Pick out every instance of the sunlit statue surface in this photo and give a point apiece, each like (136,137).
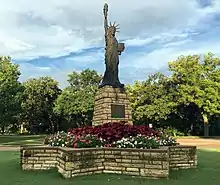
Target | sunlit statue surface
(112,51)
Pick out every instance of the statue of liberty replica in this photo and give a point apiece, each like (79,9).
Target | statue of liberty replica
(112,51)
(111,101)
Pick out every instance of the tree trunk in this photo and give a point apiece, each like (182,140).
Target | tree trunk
(51,124)
(58,126)
(206,125)
(52,128)
(3,130)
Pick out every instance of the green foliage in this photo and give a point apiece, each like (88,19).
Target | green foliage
(76,102)
(152,99)
(38,102)
(86,78)
(166,140)
(10,92)
(191,91)
(197,81)
(171,132)
(183,100)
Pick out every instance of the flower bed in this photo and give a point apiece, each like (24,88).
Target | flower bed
(111,135)
(110,148)
(111,132)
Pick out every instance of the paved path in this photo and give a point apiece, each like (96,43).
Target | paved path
(201,143)
(9,148)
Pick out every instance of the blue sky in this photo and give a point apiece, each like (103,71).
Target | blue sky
(56,37)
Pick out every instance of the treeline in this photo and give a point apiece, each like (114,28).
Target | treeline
(187,100)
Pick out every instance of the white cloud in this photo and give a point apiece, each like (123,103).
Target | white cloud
(133,66)
(89,57)
(178,43)
(138,65)
(52,28)
(31,71)
(159,58)
(161,38)
(30,29)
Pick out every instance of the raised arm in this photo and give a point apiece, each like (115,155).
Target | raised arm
(105,11)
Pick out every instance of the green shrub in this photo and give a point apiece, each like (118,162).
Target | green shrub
(171,132)
(166,140)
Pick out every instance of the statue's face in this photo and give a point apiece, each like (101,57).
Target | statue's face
(112,30)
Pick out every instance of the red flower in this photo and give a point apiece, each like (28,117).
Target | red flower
(107,145)
(113,131)
(75,145)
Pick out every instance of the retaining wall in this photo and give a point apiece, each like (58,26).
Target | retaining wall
(154,163)
(182,157)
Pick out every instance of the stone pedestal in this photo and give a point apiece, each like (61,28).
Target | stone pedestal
(111,105)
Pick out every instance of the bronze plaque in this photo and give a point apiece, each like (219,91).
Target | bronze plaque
(117,111)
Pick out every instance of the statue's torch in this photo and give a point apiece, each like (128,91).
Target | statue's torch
(105,9)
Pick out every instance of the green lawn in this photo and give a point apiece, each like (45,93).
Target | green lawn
(208,172)
(21,140)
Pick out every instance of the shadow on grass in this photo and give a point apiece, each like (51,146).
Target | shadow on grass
(21,140)
(207,173)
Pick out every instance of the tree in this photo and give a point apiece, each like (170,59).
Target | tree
(76,102)
(10,92)
(151,100)
(197,82)
(39,97)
